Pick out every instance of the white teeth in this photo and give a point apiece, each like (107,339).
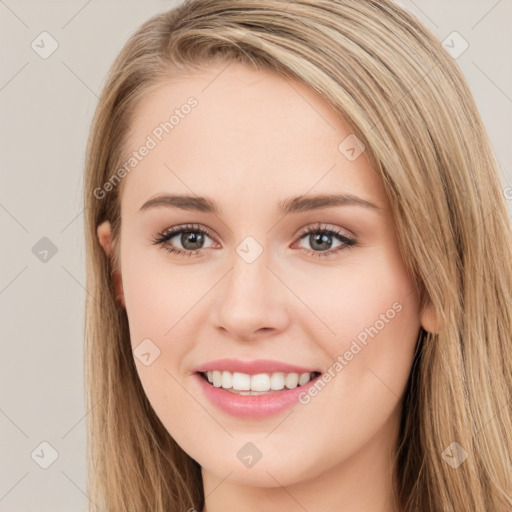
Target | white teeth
(217,379)
(260,382)
(291,380)
(304,378)
(277,381)
(227,380)
(241,381)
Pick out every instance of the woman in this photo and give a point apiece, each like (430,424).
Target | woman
(234,362)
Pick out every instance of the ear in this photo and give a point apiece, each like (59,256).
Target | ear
(104,232)
(429,319)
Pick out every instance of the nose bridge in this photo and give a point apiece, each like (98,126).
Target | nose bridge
(249,277)
(252,298)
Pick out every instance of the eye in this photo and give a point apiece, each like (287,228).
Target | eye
(319,237)
(192,237)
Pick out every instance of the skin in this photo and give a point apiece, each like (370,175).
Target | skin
(253,140)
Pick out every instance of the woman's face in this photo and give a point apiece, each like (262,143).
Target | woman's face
(253,284)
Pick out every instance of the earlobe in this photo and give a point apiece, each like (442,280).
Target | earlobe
(429,319)
(118,286)
(104,232)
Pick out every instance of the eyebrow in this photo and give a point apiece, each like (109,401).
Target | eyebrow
(293,205)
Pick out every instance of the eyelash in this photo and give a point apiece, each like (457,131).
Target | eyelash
(166,235)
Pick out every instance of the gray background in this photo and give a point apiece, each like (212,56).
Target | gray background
(46,106)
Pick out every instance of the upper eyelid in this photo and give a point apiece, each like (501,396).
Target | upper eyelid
(318,226)
(321,226)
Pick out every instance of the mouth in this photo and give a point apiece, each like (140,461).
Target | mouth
(257,384)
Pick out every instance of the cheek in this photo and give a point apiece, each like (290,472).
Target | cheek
(369,314)
(158,295)
(158,303)
(371,310)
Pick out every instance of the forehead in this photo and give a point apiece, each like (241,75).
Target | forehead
(230,129)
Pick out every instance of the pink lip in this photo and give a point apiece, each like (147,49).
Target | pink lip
(252,406)
(252,367)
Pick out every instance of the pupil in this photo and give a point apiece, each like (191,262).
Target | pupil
(319,238)
(193,238)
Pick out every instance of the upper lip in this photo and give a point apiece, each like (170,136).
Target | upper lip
(252,367)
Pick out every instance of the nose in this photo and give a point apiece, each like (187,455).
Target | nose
(252,301)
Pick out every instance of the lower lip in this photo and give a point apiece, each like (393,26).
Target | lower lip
(253,406)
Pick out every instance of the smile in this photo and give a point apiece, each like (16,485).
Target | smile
(261,383)
(248,403)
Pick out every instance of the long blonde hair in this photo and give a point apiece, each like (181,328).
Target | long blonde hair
(405,98)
